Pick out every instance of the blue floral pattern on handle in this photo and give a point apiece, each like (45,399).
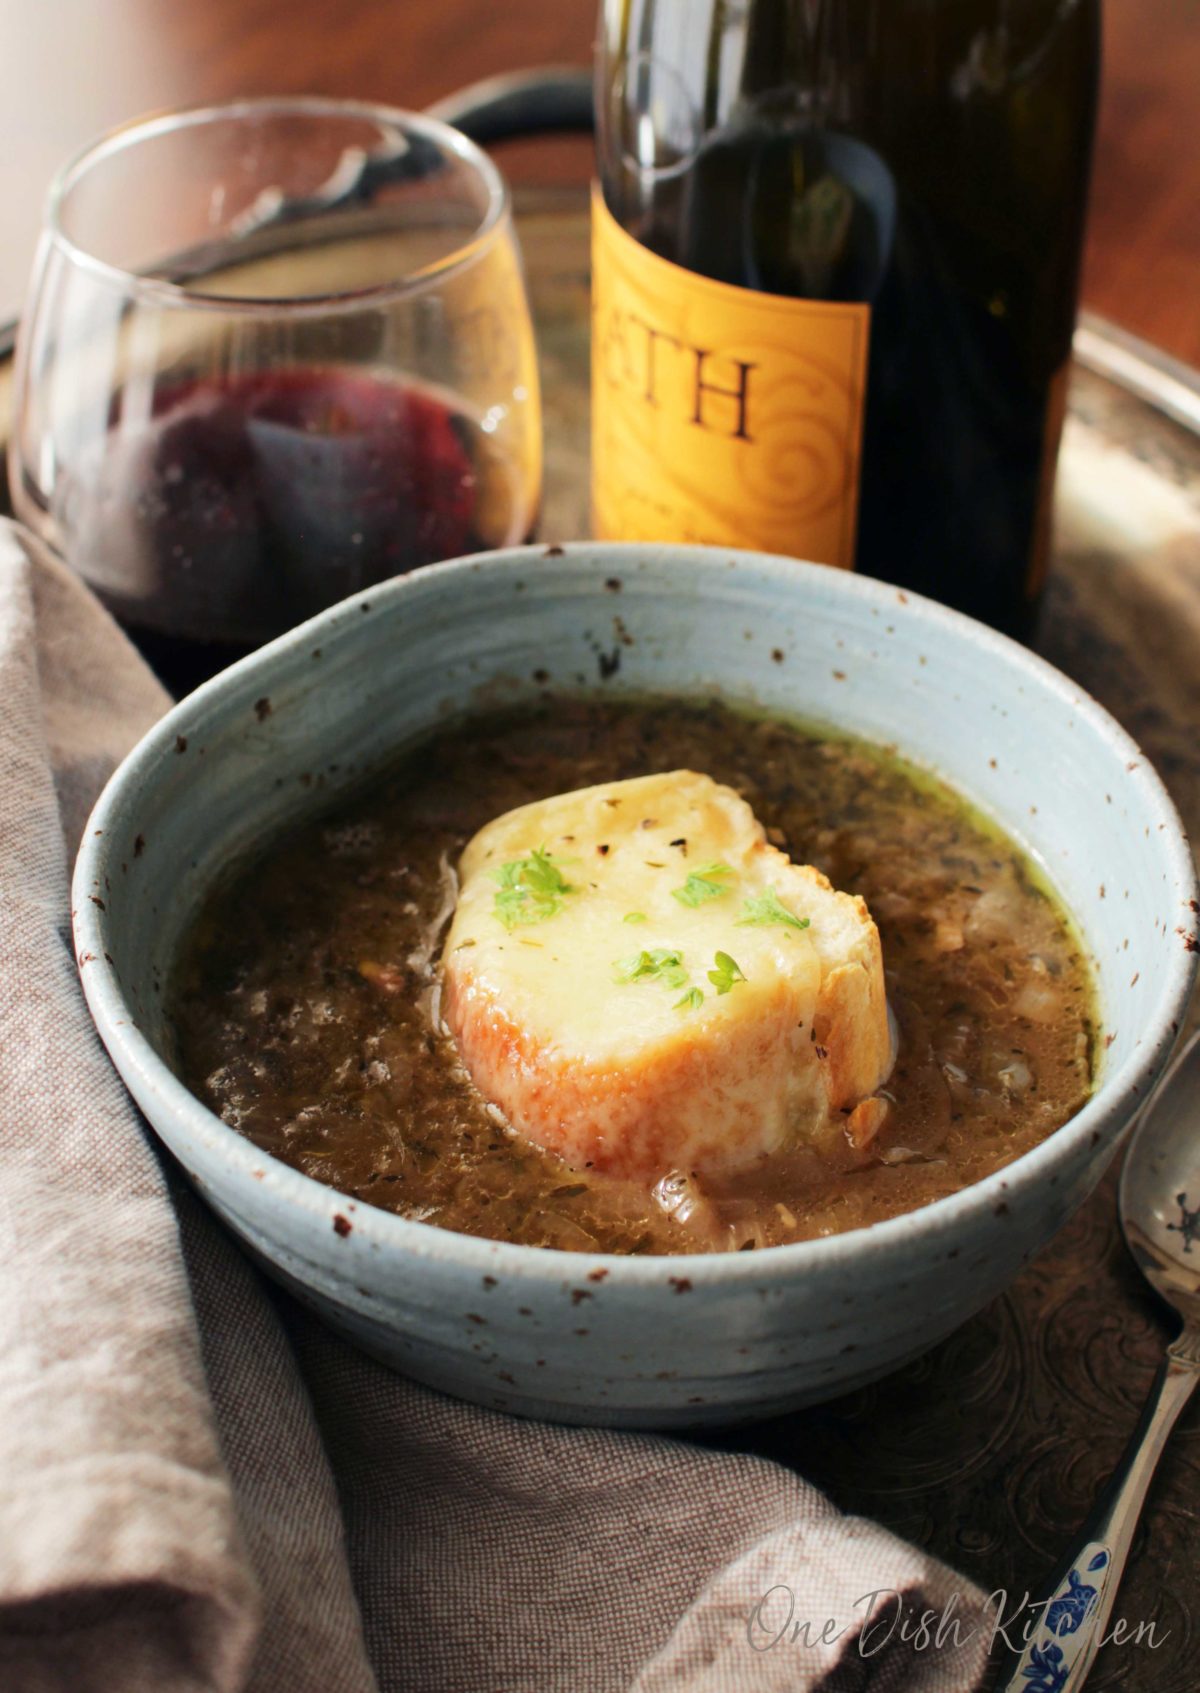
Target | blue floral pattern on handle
(1070,1610)
(1045,1672)
(1061,1638)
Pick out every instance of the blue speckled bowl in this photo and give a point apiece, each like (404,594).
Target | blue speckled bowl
(652,1341)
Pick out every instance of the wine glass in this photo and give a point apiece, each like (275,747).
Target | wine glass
(273,352)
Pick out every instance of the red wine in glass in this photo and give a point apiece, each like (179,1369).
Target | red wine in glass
(249,501)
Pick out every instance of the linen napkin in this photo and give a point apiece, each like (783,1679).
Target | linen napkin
(203,1489)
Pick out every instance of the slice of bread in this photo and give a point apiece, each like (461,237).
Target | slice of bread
(642,983)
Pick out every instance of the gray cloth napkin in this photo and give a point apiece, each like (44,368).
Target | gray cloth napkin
(201,1488)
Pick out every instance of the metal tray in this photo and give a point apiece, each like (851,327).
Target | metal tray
(990,1449)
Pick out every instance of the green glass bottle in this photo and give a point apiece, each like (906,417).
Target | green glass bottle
(902,184)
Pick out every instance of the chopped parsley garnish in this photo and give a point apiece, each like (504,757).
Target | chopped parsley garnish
(727,972)
(661,964)
(768,908)
(665,964)
(531,890)
(634,917)
(703,884)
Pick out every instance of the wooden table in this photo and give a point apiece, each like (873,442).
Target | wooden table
(73,67)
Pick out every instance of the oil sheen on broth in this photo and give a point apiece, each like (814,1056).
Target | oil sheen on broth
(306,1005)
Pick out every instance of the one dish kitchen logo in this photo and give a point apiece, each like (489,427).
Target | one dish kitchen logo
(886,1617)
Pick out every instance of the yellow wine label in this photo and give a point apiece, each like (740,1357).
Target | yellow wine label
(720,414)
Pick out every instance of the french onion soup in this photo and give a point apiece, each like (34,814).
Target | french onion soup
(616,975)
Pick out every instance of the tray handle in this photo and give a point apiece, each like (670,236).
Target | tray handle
(554,99)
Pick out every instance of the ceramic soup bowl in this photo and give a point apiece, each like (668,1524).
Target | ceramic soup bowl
(658,1342)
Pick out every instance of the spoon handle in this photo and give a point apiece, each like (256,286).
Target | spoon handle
(1060,1647)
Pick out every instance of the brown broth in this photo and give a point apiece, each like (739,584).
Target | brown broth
(306,1005)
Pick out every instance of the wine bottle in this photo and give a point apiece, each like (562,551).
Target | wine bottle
(836,250)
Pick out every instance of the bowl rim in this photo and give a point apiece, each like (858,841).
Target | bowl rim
(1117,1099)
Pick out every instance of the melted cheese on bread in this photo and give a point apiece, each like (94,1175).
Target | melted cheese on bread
(642,983)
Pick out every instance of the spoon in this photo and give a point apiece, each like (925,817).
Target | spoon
(1160,1215)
